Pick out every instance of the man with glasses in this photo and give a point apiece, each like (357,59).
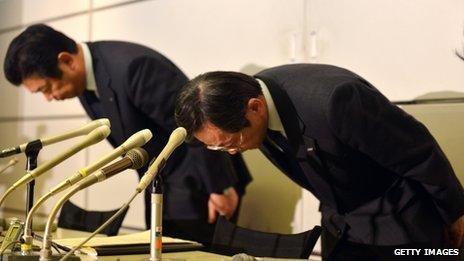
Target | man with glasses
(382,180)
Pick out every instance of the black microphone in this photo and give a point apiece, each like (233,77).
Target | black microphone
(134,159)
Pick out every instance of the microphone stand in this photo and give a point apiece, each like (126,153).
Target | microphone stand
(15,232)
(156,233)
(32,151)
(156,230)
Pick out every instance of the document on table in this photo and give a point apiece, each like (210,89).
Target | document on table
(130,239)
(136,243)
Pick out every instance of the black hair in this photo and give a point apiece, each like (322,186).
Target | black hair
(217,97)
(35,52)
(460,55)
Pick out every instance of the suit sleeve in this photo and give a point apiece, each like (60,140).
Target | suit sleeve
(363,118)
(153,86)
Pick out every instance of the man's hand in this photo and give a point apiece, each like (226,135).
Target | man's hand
(456,233)
(224,204)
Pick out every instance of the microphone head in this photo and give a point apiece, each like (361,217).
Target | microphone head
(175,139)
(13,161)
(146,134)
(104,122)
(101,132)
(243,257)
(138,156)
(89,127)
(137,139)
(178,136)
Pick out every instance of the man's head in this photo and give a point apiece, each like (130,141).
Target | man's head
(46,61)
(224,110)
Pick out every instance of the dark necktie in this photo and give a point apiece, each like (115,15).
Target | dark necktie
(282,154)
(277,146)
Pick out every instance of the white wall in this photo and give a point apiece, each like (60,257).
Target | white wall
(405,48)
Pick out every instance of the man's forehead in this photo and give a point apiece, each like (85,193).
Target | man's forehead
(209,132)
(34,78)
(33,81)
(210,127)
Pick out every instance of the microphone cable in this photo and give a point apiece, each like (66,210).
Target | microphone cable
(103,226)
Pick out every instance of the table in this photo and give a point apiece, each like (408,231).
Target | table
(178,256)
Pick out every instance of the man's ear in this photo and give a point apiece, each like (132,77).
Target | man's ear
(66,59)
(256,105)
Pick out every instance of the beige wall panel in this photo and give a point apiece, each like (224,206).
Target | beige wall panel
(10,13)
(10,105)
(310,216)
(207,35)
(405,48)
(270,200)
(104,3)
(36,10)
(445,123)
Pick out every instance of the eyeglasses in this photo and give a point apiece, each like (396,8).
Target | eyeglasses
(236,148)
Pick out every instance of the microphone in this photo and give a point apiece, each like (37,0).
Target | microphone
(176,139)
(138,139)
(93,137)
(134,159)
(11,163)
(243,257)
(50,140)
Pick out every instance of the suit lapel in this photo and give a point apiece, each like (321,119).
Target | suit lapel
(282,161)
(108,96)
(304,148)
(294,127)
(315,171)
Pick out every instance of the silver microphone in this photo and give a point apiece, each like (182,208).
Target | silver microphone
(54,139)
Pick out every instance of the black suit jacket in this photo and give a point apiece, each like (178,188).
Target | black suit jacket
(380,176)
(137,88)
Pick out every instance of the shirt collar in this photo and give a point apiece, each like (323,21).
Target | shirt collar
(89,75)
(274,122)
